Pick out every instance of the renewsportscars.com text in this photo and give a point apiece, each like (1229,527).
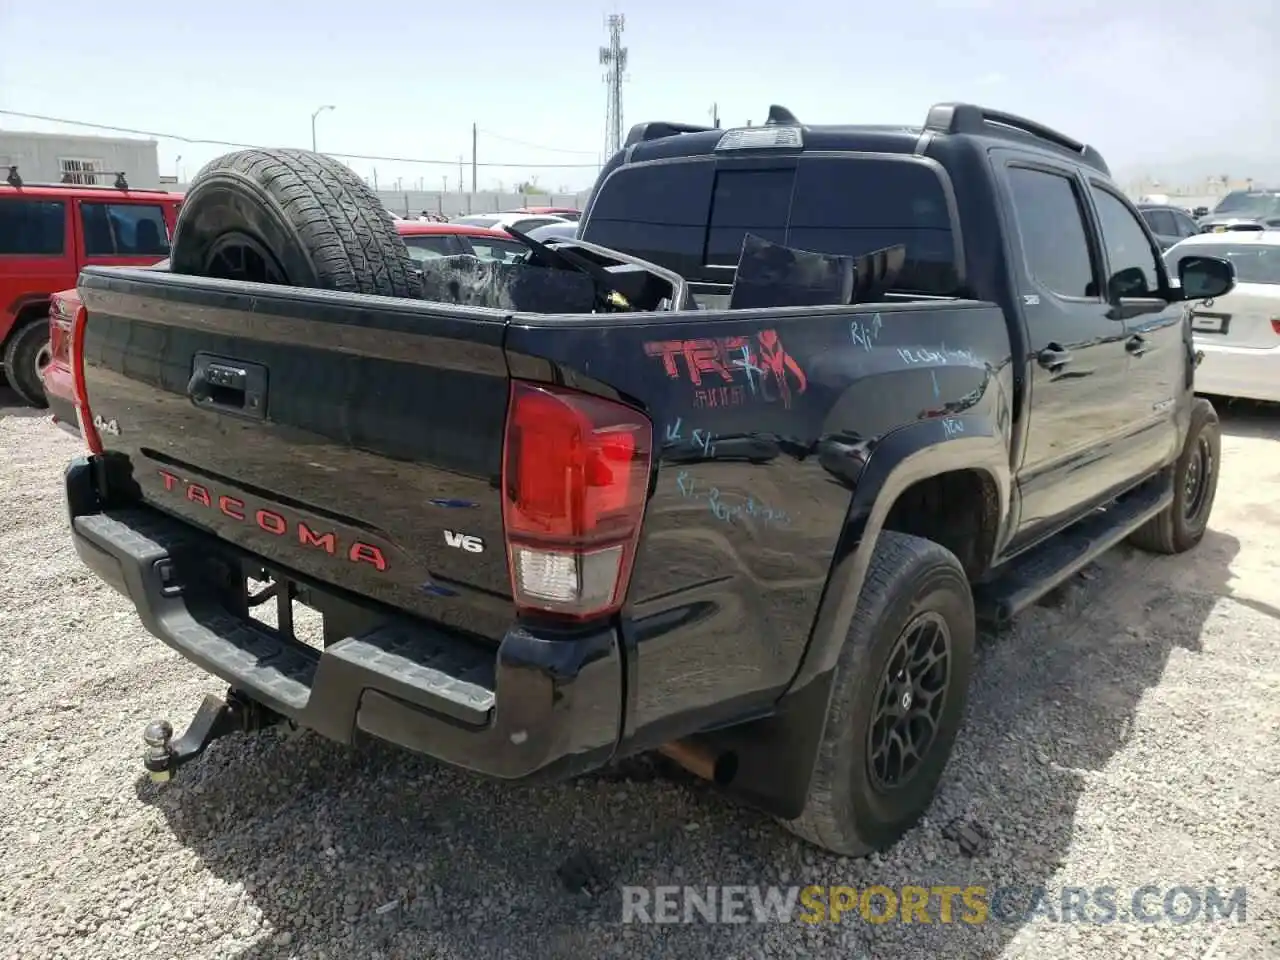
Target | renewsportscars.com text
(935,904)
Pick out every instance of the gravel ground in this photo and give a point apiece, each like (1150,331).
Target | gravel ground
(1126,732)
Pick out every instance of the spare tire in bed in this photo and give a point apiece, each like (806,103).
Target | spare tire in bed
(290,217)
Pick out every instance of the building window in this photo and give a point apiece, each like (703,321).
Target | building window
(75,170)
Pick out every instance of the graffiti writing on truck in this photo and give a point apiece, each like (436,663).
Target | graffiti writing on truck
(730,507)
(718,366)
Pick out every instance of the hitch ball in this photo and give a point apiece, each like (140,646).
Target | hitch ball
(156,757)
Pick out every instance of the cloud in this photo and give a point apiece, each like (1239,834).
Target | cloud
(991,79)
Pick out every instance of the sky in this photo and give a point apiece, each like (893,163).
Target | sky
(1159,86)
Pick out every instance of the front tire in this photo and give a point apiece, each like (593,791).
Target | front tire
(25,357)
(901,681)
(1182,524)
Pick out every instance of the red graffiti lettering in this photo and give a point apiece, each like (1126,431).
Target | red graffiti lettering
(198,494)
(761,362)
(169,479)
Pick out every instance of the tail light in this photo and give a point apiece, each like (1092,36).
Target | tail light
(83,414)
(62,312)
(575,478)
(1275,324)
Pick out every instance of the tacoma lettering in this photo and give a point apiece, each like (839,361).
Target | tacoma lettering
(274,523)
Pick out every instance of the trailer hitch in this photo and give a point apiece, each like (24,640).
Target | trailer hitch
(216,718)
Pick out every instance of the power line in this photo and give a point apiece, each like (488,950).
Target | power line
(536,146)
(257,146)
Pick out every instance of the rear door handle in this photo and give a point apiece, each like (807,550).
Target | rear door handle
(1053,357)
(1136,346)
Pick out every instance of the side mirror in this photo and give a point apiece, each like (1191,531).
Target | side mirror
(1203,278)
(1130,282)
(1200,212)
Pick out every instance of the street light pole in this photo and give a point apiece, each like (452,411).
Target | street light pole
(319,110)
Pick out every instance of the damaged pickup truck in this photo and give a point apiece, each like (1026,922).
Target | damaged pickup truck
(732,475)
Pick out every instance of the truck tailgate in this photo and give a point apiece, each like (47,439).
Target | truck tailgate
(359,447)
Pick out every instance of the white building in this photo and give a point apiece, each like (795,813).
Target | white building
(49,157)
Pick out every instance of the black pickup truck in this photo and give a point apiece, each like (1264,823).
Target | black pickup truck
(755,537)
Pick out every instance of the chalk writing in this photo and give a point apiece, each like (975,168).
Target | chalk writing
(940,355)
(729,507)
(953,427)
(673,431)
(866,332)
(937,392)
(716,397)
(760,359)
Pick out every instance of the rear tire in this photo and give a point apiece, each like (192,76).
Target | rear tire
(25,356)
(1182,524)
(290,217)
(854,805)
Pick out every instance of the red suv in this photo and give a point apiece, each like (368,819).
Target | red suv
(47,233)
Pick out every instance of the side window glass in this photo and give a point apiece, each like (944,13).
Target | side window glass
(1051,225)
(124,229)
(1187,227)
(1133,266)
(32,227)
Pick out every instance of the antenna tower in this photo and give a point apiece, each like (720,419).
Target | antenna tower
(614,57)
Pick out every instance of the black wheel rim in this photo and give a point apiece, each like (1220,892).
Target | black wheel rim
(1195,489)
(909,702)
(238,256)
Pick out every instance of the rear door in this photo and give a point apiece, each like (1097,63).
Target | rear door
(121,232)
(1080,413)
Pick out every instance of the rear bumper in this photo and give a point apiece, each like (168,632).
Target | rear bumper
(1245,372)
(535,706)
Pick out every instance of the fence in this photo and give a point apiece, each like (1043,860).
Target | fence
(410,203)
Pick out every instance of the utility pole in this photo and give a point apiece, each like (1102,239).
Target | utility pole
(319,110)
(715,115)
(614,57)
(475,137)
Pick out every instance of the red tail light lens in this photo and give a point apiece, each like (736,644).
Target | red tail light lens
(575,478)
(83,414)
(62,311)
(1275,324)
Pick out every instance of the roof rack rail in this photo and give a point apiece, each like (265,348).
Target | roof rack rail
(657,129)
(14,179)
(970,118)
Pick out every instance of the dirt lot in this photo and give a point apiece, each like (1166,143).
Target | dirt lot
(1125,733)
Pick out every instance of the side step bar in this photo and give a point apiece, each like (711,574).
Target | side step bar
(1028,577)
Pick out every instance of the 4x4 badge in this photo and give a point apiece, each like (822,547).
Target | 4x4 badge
(106,426)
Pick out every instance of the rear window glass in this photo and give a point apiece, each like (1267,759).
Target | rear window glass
(1254,263)
(32,227)
(692,217)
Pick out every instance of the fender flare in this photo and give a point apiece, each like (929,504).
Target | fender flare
(9,319)
(899,459)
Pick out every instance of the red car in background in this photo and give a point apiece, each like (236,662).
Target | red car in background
(48,232)
(424,239)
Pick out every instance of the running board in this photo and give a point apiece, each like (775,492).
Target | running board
(1028,577)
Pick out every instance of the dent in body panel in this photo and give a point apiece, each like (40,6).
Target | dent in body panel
(753,491)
